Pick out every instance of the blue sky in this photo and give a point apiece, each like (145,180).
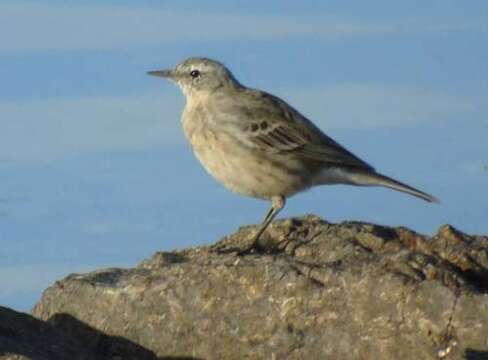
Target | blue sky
(94,168)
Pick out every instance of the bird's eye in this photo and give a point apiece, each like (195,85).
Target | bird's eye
(195,73)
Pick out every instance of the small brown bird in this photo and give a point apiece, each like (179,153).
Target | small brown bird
(257,145)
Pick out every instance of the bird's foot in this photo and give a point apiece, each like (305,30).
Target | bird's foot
(238,251)
(221,250)
(248,247)
(248,250)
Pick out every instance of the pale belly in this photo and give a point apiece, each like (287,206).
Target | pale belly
(247,172)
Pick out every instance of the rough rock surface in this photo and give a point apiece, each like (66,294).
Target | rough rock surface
(23,337)
(315,290)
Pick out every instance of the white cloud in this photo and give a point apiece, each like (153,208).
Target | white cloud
(35,277)
(44,129)
(474,168)
(360,105)
(104,227)
(33,26)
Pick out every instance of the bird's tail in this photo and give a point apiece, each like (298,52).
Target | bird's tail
(375,179)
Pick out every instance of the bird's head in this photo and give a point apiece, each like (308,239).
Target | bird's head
(197,75)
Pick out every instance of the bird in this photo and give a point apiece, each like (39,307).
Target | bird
(258,145)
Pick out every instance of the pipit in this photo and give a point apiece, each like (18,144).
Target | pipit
(257,145)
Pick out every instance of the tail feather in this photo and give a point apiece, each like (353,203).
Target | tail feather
(382,180)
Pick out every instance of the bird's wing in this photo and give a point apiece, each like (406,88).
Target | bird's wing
(272,125)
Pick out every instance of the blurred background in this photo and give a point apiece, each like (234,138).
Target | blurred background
(95,171)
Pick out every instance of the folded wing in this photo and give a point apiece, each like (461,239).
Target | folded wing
(271,125)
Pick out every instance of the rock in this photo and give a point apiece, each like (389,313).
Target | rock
(24,337)
(315,290)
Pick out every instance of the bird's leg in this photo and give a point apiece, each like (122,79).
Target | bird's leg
(277,203)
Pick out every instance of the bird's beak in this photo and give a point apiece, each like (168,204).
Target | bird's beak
(169,74)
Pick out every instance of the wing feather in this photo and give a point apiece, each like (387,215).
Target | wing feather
(271,125)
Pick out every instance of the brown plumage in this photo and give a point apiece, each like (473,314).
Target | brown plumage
(257,145)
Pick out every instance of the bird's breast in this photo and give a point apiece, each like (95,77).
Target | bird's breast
(240,168)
